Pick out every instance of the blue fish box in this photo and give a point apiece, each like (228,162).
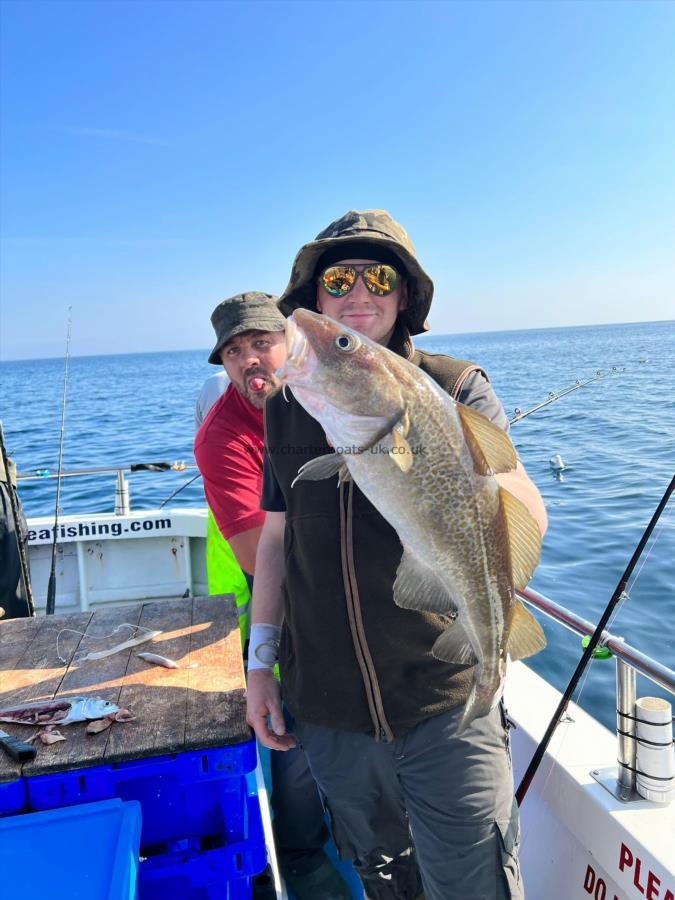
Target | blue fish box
(82,851)
(13,796)
(199,794)
(191,873)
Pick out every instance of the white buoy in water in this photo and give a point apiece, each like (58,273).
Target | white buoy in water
(655,762)
(557,462)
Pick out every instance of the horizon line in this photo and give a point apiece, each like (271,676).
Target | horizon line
(428,334)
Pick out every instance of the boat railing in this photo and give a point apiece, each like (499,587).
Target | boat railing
(629,663)
(122,498)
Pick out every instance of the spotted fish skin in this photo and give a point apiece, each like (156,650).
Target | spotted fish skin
(427,464)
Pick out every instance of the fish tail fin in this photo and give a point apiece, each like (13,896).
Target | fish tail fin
(483,697)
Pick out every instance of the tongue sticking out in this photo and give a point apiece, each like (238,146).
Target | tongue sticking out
(257,383)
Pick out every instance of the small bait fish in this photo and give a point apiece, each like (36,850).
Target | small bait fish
(156,659)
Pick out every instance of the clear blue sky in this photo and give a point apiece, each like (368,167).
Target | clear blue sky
(160,156)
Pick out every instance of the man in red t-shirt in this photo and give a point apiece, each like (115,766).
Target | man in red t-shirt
(228,448)
(251,345)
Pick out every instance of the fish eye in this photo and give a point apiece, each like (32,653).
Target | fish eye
(347,342)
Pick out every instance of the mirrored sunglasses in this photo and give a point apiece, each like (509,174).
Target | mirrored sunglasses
(379,278)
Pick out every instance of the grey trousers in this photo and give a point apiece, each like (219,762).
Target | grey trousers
(453,792)
(300,831)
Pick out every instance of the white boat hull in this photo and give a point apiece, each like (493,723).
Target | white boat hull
(107,559)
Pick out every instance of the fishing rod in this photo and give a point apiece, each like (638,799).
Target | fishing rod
(553,396)
(181,488)
(592,644)
(51,586)
(14,503)
(175,466)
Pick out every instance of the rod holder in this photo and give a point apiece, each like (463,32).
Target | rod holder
(625,711)
(122,507)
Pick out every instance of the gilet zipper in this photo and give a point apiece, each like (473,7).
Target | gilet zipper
(381,727)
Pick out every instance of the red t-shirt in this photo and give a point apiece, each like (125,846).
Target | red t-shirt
(229,454)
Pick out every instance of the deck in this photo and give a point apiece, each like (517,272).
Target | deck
(199,705)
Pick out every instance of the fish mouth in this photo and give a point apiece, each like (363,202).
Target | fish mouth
(296,349)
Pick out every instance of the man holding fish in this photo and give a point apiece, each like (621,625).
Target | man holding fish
(399,523)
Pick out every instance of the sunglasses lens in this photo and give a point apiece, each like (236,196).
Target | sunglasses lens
(338,280)
(380,279)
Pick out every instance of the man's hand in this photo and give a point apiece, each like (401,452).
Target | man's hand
(263,699)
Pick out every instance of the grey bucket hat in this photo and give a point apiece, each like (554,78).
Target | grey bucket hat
(251,311)
(374,226)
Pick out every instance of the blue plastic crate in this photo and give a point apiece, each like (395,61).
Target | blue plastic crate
(84,851)
(196,794)
(13,797)
(225,873)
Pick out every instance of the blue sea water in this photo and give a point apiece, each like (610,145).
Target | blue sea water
(616,436)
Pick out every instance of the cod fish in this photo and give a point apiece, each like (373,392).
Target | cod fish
(427,464)
(62,711)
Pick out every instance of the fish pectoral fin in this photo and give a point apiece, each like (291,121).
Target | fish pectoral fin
(491,448)
(319,468)
(418,587)
(525,635)
(363,432)
(453,647)
(400,451)
(376,429)
(524,538)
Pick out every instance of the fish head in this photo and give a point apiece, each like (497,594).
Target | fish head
(96,708)
(338,374)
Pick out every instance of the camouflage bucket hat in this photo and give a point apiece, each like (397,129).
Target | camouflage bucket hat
(373,226)
(251,311)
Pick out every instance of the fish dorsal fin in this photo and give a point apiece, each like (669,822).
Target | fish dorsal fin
(453,646)
(419,587)
(524,538)
(320,467)
(400,451)
(525,635)
(490,447)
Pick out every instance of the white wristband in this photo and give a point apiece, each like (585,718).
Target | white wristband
(263,646)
